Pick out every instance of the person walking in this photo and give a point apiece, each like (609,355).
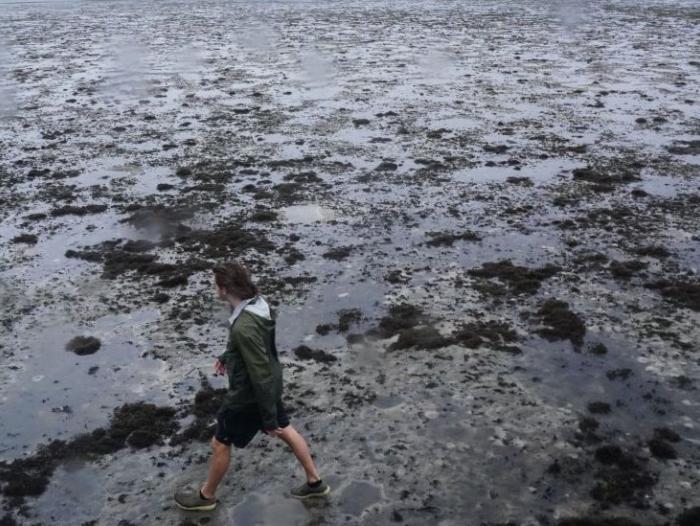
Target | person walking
(253,401)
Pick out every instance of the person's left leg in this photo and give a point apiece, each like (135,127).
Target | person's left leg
(301,450)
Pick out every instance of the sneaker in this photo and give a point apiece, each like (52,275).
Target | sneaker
(305,491)
(191,500)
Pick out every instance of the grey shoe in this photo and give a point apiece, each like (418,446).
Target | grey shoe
(190,499)
(305,491)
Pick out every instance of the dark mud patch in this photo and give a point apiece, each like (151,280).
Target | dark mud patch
(307,177)
(598,521)
(424,337)
(605,177)
(626,483)
(626,269)
(207,402)
(400,317)
(495,148)
(346,319)
(590,260)
(263,216)
(665,433)
(227,240)
(496,334)
(83,345)
(599,349)
(205,187)
(447,239)
(517,279)
(139,245)
(689,517)
(338,253)
(159,219)
(619,374)
(520,181)
(78,210)
(599,408)
(682,293)
(306,353)
(662,449)
(119,258)
(618,470)
(685,148)
(138,425)
(655,251)
(560,323)
(27,239)
(386,166)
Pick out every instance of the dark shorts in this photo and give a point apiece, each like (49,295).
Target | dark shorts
(239,427)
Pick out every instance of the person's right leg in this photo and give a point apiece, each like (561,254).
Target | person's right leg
(218,465)
(203,499)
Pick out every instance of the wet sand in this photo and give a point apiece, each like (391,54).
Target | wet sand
(477,223)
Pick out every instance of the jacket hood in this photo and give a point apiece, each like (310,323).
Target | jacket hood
(256,305)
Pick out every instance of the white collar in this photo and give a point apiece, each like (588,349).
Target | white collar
(257,306)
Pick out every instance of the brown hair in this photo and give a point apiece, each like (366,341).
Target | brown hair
(234,278)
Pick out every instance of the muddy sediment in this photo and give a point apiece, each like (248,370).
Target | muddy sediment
(479,237)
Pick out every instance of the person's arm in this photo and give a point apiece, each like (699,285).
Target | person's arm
(252,348)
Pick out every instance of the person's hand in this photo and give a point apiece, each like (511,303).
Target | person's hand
(219,368)
(275,432)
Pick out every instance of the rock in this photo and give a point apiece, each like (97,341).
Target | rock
(83,345)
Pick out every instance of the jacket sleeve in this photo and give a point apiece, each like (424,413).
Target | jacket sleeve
(224,356)
(257,361)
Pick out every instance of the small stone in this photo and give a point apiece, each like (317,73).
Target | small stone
(83,345)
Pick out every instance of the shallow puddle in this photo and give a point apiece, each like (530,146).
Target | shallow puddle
(268,510)
(308,214)
(56,393)
(358,496)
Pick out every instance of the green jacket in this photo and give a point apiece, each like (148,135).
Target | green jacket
(254,370)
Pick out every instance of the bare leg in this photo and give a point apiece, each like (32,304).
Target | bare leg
(218,465)
(301,450)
